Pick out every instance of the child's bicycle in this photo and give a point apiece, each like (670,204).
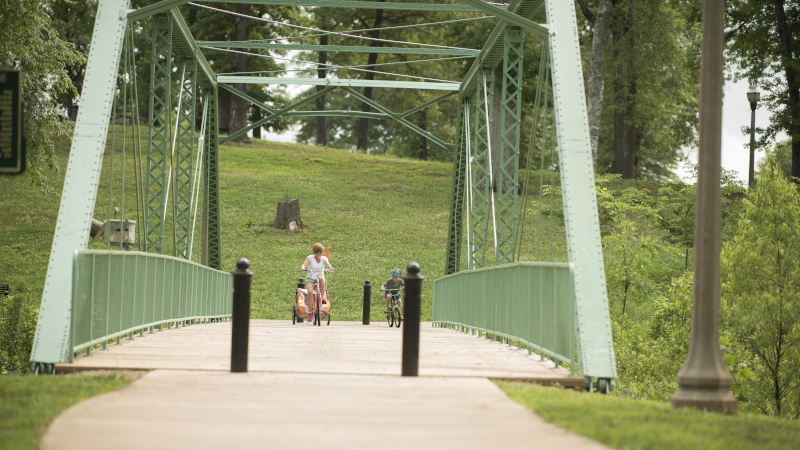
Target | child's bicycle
(300,309)
(393,316)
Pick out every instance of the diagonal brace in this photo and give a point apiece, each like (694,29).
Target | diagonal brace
(396,117)
(425,105)
(237,93)
(276,114)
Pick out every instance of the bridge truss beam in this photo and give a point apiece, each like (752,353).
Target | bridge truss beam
(82,179)
(158,143)
(184,157)
(508,146)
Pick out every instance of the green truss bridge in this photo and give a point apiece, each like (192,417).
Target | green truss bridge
(92,297)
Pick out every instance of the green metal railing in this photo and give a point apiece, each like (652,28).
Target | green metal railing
(532,303)
(119,293)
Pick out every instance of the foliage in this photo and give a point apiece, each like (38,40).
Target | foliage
(30,402)
(762,286)
(625,423)
(651,78)
(629,249)
(29,42)
(763,50)
(781,155)
(676,213)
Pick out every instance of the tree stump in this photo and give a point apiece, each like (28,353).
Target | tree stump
(288,215)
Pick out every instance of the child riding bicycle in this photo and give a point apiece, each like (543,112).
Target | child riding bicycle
(392,287)
(314,266)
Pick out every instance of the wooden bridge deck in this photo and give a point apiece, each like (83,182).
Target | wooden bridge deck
(341,348)
(335,386)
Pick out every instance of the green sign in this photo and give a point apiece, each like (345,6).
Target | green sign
(12,144)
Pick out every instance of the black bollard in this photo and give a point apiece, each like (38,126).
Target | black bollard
(367,293)
(240,320)
(413,283)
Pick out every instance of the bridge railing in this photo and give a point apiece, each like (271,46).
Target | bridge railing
(117,293)
(531,303)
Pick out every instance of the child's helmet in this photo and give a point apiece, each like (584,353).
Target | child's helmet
(395,272)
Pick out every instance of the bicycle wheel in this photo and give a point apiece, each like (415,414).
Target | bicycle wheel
(319,318)
(294,314)
(329,320)
(390,318)
(397,318)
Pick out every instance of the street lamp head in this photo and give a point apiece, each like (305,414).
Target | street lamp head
(753,96)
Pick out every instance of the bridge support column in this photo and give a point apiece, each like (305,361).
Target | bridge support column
(455,229)
(481,191)
(212,250)
(184,156)
(158,143)
(508,143)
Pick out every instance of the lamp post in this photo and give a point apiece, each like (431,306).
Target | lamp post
(752,96)
(704,381)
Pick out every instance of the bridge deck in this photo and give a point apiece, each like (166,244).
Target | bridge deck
(341,348)
(308,387)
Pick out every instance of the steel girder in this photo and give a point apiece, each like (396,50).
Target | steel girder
(276,114)
(342,48)
(481,208)
(394,116)
(508,146)
(455,228)
(182,206)
(595,342)
(158,142)
(431,85)
(52,341)
(212,230)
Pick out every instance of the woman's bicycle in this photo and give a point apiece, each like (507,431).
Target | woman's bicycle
(393,316)
(320,304)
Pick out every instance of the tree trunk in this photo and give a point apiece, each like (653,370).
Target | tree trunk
(423,141)
(322,133)
(596,86)
(239,105)
(256,118)
(363,124)
(629,158)
(619,107)
(792,82)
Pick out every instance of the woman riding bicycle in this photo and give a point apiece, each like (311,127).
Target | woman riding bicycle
(315,265)
(392,287)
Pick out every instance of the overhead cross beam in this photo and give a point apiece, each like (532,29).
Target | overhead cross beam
(166,5)
(440,86)
(396,117)
(341,48)
(276,114)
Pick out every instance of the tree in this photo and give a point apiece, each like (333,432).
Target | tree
(595,85)
(74,22)
(653,66)
(216,26)
(781,155)
(761,283)
(763,42)
(29,42)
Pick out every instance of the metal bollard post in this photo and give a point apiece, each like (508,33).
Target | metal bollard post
(367,300)
(413,283)
(240,316)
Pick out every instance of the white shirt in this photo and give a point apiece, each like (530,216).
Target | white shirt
(316,270)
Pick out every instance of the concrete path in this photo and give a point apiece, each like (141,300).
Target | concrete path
(311,387)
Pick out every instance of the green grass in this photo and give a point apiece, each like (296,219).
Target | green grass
(637,424)
(29,403)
